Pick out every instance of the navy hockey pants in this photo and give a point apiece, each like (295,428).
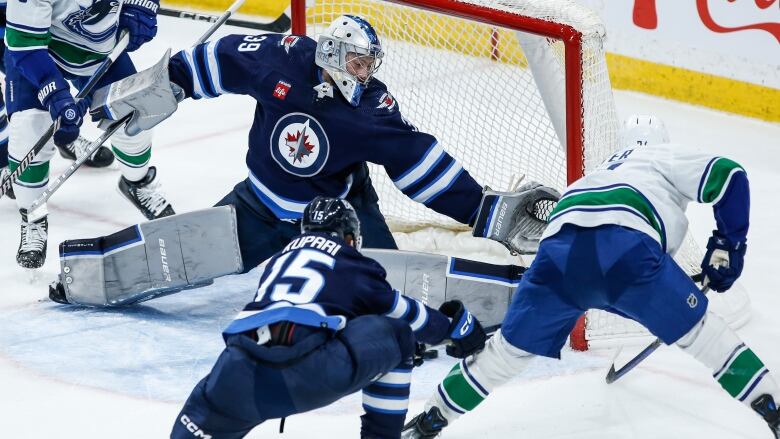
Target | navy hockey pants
(250,384)
(261,234)
(609,267)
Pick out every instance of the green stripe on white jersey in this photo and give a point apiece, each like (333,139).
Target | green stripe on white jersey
(619,198)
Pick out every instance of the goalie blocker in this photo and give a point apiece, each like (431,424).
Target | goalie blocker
(188,250)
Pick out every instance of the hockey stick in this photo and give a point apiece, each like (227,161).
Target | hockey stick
(124,39)
(614,375)
(280,25)
(97,143)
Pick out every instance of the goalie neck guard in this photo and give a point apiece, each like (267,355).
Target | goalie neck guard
(333,216)
(349,39)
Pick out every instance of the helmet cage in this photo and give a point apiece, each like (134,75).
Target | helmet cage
(349,35)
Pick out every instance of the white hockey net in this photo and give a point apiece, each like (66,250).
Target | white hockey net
(495,94)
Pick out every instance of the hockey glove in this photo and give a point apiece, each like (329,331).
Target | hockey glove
(139,17)
(55,96)
(516,219)
(723,262)
(465,332)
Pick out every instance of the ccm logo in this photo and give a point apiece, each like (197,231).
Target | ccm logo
(467,325)
(193,428)
(164,260)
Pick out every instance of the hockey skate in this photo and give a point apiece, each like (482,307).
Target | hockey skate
(425,425)
(3,174)
(32,245)
(146,196)
(100,159)
(765,406)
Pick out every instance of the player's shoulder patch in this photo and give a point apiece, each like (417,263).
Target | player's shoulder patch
(289,41)
(380,99)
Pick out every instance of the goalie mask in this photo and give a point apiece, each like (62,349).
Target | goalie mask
(333,216)
(643,130)
(350,51)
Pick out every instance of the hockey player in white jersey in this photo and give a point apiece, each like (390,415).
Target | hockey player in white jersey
(609,245)
(48,42)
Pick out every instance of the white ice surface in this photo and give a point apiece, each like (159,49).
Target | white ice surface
(79,373)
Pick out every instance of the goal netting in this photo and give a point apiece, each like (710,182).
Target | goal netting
(511,88)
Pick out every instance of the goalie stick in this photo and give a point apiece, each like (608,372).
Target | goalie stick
(124,38)
(280,25)
(614,375)
(97,143)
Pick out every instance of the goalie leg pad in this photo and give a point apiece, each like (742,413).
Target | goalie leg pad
(736,368)
(151,259)
(473,378)
(485,289)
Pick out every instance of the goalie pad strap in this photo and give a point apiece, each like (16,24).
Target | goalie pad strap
(151,259)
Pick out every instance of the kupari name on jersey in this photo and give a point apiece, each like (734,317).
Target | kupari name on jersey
(96,23)
(299,144)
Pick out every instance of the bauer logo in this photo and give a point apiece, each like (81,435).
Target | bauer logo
(166,272)
(299,144)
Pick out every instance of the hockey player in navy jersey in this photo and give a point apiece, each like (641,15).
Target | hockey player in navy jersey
(320,116)
(609,245)
(49,44)
(324,324)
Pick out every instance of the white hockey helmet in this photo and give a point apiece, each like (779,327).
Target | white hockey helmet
(643,130)
(350,41)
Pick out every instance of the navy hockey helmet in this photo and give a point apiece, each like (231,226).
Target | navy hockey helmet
(334,216)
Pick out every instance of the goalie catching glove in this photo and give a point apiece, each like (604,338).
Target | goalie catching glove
(516,219)
(465,332)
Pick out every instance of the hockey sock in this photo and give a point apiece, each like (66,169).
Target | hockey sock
(132,153)
(472,379)
(3,135)
(386,401)
(24,129)
(734,365)
(31,184)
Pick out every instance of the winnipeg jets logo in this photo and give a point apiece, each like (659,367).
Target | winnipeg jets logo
(288,42)
(299,144)
(386,101)
(96,23)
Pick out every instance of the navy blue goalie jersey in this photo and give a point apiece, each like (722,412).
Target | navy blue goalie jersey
(307,140)
(319,280)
